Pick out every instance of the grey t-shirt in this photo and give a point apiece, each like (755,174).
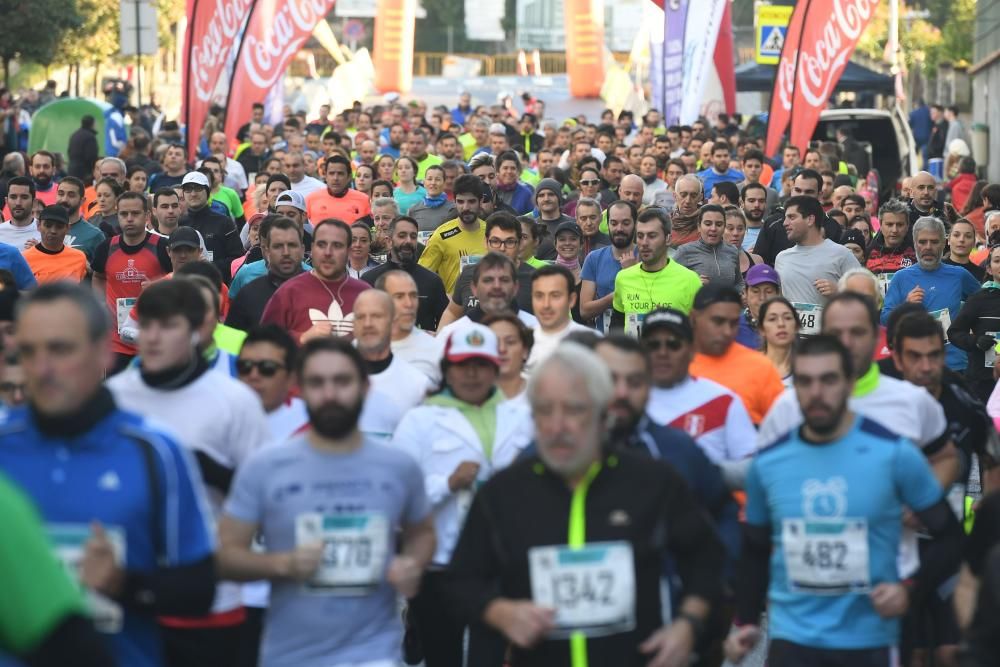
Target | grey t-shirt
(800,267)
(279,485)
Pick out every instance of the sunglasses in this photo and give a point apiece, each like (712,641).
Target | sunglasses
(266,368)
(590,182)
(672,344)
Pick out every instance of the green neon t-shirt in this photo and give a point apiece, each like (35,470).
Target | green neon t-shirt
(639,291)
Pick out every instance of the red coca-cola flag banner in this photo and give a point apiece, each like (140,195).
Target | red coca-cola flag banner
(276,31)
(784,80)
(829,35)
(212,32)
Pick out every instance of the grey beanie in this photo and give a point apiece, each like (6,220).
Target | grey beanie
(550,184)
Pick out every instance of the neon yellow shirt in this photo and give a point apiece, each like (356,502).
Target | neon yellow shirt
(450,249)
(638,291)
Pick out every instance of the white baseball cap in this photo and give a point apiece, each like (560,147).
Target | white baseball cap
(291,198)
(472,341)
(197,178)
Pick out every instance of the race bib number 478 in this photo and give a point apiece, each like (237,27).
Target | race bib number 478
(592,588)
(355,549)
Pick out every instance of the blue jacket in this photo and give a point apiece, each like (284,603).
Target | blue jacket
(521,198)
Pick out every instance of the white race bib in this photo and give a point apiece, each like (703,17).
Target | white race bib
(810,318)
(123,307)
(592,588)
(355,550)
(826,557)
(883,281)
(943,317)
(990,356)
(424,237)
(633,324)
(468,260)
(605,322)
(68,542)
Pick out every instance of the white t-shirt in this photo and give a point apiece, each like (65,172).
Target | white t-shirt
(216,415)
(307,185)
(18,236)
(546,343)
(709,413)
(393,392)
(422,351)
(903,408)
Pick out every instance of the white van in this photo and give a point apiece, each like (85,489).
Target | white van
(886,136)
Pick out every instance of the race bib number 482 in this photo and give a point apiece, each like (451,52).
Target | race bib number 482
(826,557)
(592,588)
(355,549)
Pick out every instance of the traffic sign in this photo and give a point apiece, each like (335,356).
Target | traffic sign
(771,25)
(138,28)
(354,30)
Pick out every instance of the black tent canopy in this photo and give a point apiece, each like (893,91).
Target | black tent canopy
(751,77)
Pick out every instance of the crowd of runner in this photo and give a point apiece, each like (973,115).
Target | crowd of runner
(472,387)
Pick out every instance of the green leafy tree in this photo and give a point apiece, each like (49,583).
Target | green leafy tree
(34,29)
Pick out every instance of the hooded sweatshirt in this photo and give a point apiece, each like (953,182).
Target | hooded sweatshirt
(719,263)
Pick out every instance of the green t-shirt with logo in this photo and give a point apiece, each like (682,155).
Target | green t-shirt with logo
(639,291)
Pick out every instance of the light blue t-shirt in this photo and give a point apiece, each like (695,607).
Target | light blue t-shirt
(750,240)
(709,177)
(945,289)
(275,489)
(827,505)
(406,200)
(600,267)
(249,272)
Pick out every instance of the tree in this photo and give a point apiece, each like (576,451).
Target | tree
(34,29)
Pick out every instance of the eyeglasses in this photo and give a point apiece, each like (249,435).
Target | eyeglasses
(265,367)
(590,181)
(672,344)
(9,388)
(494,242)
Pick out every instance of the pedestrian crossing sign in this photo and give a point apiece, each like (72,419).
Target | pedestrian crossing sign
(772,25)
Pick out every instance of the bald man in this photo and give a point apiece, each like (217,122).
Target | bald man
(236,175)
(396,386)
(923,202)
(839,193)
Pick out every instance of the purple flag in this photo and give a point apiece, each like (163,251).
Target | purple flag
(675,17)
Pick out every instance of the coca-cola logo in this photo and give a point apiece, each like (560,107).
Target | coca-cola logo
(826,49)
(213,44)
(269,47)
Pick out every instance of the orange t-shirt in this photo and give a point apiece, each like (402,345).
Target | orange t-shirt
(49,267)
(321,205)
(747,373)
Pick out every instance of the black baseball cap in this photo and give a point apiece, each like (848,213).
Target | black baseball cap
(184,236)
(670,319)
(55,213)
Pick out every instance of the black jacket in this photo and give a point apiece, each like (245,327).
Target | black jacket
(222,240)
(980,316)
(433,298)
(248,305)
(82,152)
(631,499)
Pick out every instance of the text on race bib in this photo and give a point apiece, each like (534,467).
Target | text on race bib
(355,551)
(810,318)
(826,557)
(591,588)
(123,307)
